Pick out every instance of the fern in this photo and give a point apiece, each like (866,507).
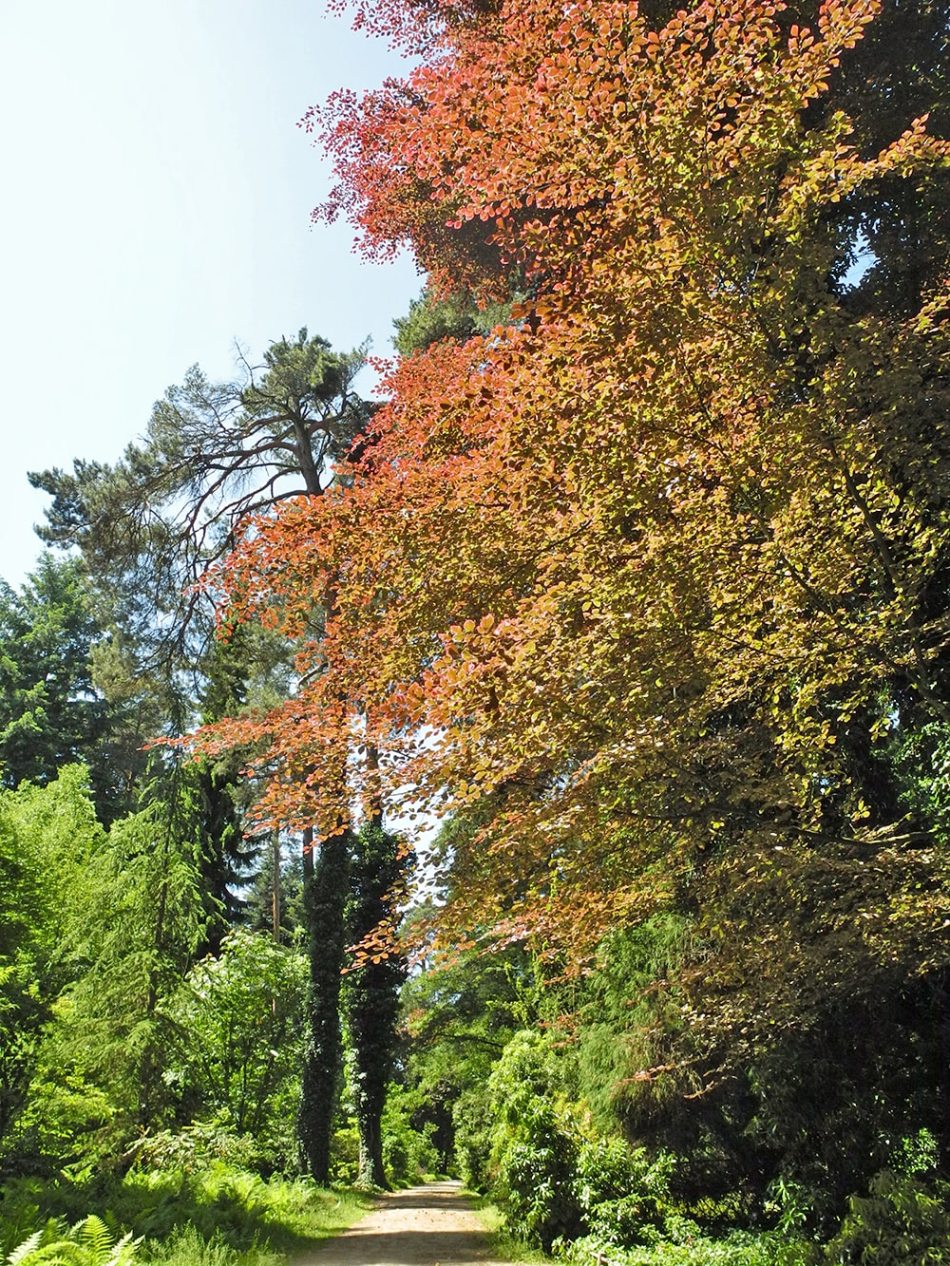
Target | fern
(94,1235)
(23,1251)
(88,1243)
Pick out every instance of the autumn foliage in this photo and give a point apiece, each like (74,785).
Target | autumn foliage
(643,575)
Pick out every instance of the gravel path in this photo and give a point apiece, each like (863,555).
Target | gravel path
(424,1226)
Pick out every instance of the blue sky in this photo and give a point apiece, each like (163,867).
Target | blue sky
(155,207)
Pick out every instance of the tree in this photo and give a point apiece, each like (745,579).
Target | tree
(44,831)
(459,1013)
(51,712)
(657,571)
(239,1016)
(276,895)
(371,990)
(214,453)
(431,319)
(583,569)
(138,923)
(324,903)
(125,922)
(155,525)
(227,857)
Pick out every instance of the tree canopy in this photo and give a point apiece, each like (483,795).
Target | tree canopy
(213,454)
(637,580)
(657,568)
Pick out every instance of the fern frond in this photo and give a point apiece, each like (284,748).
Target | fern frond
(93,1234)
(28,1246)
(124,1253)
(87,1243)
(59,1253)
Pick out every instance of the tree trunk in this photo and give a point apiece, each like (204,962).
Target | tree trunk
(372,990)
(275,888)
(325,892)
(372,1172)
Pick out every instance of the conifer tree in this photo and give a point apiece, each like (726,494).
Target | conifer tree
(371,990)
(150,528)
(326,873)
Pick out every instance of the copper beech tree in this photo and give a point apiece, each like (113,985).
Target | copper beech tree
(644,571)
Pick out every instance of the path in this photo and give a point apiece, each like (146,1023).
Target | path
(424,1226)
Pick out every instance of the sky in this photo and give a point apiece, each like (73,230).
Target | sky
(155,206)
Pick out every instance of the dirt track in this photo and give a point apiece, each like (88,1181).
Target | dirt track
(424,1226)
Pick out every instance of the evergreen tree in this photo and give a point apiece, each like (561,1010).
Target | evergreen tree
(227,857)
(149,528)
(326,878)
(214,454)
(377,875)
(44,831)
(277,890)
(51,711)
(131,926)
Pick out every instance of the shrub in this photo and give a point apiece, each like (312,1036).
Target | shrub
(472,1120)
(193,1148)
(238,1021)
(537,1181)
(533,1154)
(623,1194)
(409,1154)
(345,1153)
(739,1248)
(917,1153)
(186,1246)
(901,1222)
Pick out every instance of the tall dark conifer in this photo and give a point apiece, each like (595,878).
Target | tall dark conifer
(372,989)
(150,527)
(326,878)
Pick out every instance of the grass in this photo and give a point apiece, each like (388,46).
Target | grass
(504,1247)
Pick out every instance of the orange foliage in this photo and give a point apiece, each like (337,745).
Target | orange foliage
(602,569)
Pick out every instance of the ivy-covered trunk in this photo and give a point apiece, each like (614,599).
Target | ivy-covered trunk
(325,894)
(372,988)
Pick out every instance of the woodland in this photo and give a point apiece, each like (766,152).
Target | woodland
(537,773)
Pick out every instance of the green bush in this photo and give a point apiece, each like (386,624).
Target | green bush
(194,1148)
(247,1214)
(533,1156)
(186,1246)
(537,1181)
(917,1153)
(555,1181)
(345,1153)
(739,1248)
(472,1120)
(409,1155)
(623,1194)
(901,1222)
(238,1021)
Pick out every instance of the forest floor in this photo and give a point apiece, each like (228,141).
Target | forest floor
(434,1225)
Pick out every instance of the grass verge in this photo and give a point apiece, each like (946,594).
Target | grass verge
(504,1247)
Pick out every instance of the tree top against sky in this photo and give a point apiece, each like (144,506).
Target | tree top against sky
(157,209)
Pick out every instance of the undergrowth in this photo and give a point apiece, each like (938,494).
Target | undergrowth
(504,1246)
(222,1217)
